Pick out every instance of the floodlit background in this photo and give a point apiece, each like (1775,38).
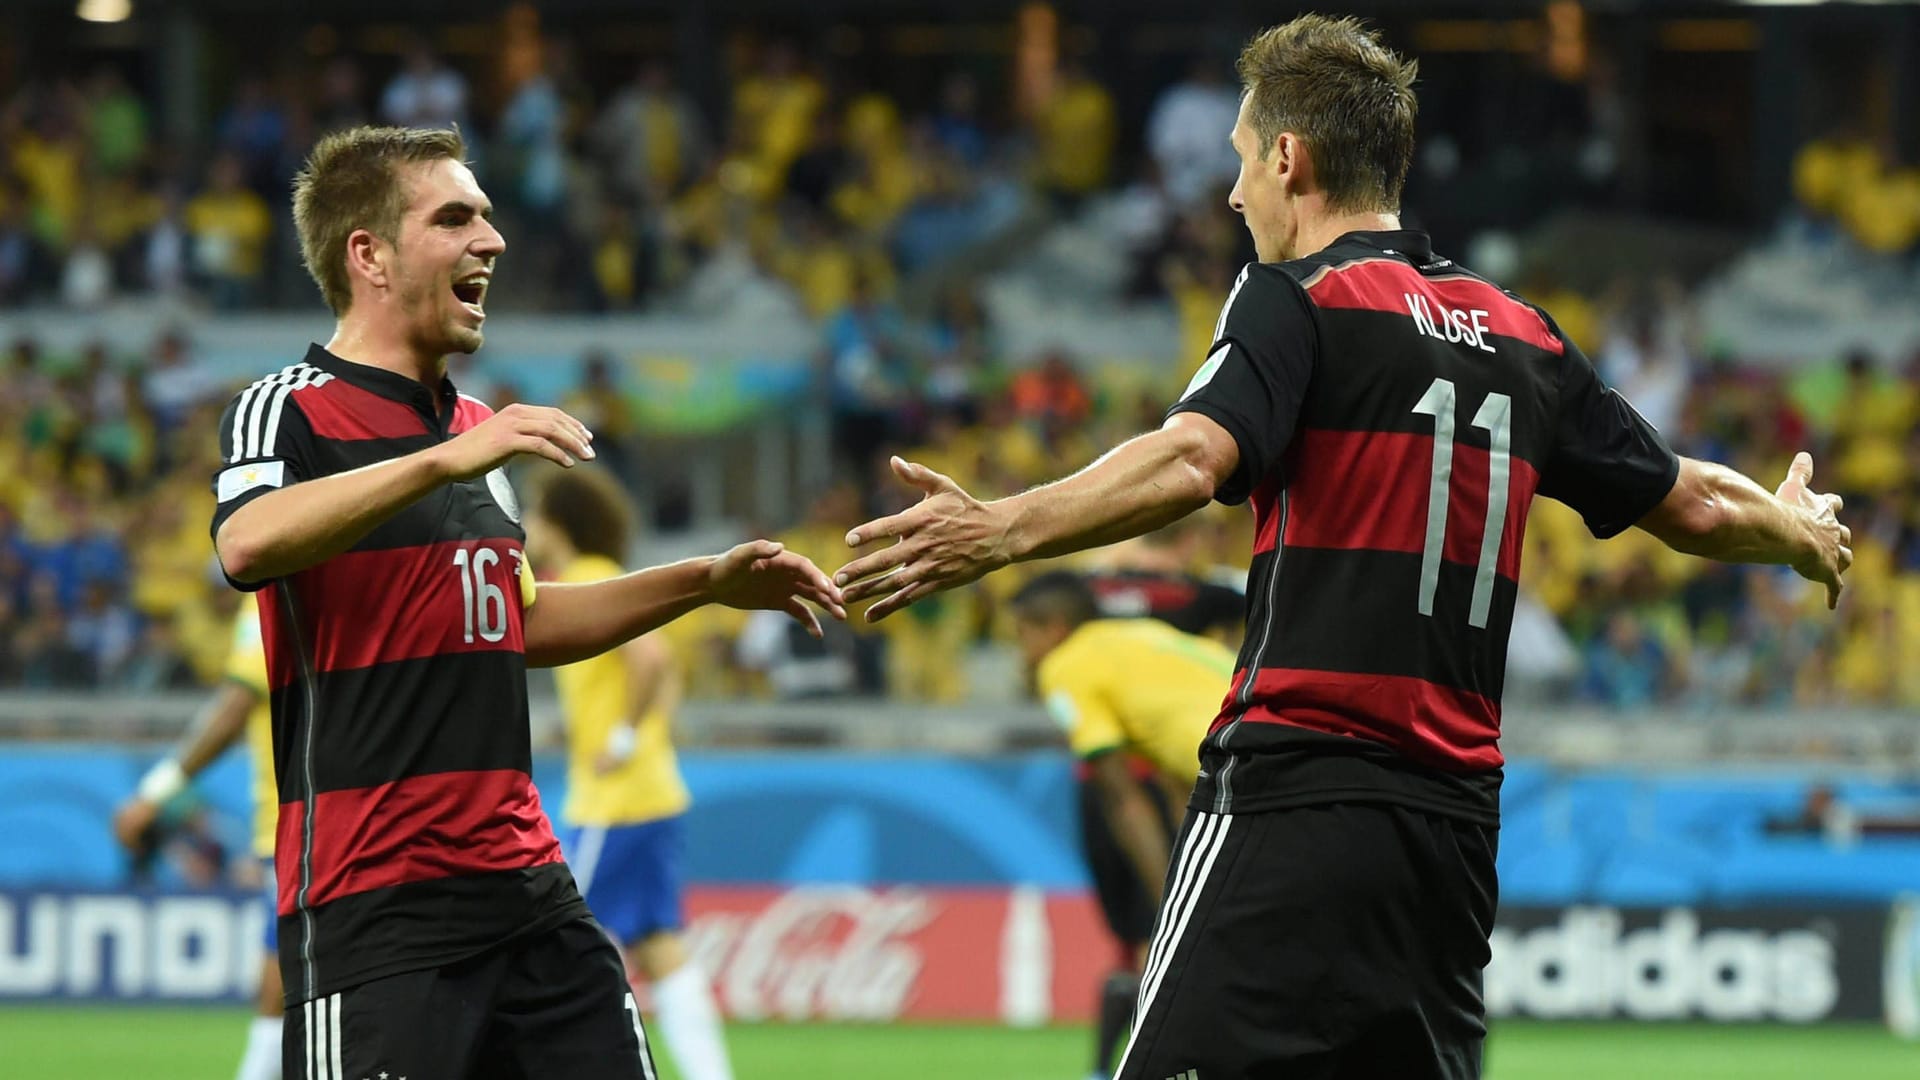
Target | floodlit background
(759,246)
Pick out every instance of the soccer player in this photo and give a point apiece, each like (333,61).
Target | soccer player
(1153,576)
(1391,416)
(623,827)
(239,707)
(1125,690)
(428,926)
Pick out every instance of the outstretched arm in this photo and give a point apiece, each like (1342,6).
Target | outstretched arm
(1717,513)
(950,538)
(572,622)
(216,729)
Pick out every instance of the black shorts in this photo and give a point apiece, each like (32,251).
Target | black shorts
(1335,942)
(1123,899)
(555,1004)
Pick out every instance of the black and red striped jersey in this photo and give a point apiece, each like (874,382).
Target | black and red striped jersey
(1395,416)
(1186,602)
(410,833)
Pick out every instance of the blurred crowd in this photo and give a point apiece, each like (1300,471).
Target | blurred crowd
(106,573)
(820,198)
(615,190)
(1633,624)
(1861,189)
(106,577)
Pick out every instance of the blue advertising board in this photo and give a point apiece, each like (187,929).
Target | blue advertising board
(1609,836)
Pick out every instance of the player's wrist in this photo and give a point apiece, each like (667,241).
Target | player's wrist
(436,465)
(706,572)
(1015,515)
(621,742)
(162,782)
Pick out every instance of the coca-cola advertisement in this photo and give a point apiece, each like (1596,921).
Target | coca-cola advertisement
(849,952)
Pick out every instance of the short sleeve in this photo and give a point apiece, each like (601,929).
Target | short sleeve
(247,661)
(265,443)
(1607,462)
(1075,702)
(1256,373)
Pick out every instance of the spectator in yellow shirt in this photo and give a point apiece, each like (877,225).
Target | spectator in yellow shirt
(1077,131)
(228,225)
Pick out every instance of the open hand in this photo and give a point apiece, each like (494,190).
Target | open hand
(762,575)
(948,538)
(516,429)
(1833,542)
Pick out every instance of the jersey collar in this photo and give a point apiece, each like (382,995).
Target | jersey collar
(387,384)
(1408,243)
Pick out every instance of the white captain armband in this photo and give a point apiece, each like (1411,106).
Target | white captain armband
(237,480)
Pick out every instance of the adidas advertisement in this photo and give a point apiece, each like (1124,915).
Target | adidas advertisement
(1780,965)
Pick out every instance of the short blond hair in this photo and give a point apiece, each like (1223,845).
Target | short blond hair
(352,181)
(1350,98)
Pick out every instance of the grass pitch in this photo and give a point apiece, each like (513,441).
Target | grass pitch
(116,1043)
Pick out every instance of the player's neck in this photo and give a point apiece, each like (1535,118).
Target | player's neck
(1319,230)
(360,343)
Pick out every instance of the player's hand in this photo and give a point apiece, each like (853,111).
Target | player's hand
(948,538)
(133,821)
(762,575)
(1832,550)
(516,429)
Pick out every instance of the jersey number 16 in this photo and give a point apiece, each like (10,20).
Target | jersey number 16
(1496,417)
(483,602)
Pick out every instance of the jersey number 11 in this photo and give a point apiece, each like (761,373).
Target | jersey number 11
(1496,417)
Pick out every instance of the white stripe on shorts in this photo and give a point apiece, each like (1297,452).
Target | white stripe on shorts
(592,841)
(333,1033)
(640,1036)
(1182,901)
(1190,852)
(307,1009)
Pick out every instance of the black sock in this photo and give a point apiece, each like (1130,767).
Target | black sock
(1117,997)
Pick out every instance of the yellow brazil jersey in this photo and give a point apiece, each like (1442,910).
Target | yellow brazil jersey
(1140,685)
(594,696)
(247,665)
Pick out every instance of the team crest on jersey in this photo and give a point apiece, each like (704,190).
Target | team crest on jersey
(502,491)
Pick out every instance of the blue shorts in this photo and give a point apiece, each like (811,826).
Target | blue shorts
(270,900)
(630,875)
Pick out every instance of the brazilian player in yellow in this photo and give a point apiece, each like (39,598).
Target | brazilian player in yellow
(622,824)
(239,707)
(1128,692)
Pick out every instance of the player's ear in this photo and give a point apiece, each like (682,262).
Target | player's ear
(367,257)
(1290,161)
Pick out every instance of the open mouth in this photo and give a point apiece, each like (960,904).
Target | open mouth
(472,293)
